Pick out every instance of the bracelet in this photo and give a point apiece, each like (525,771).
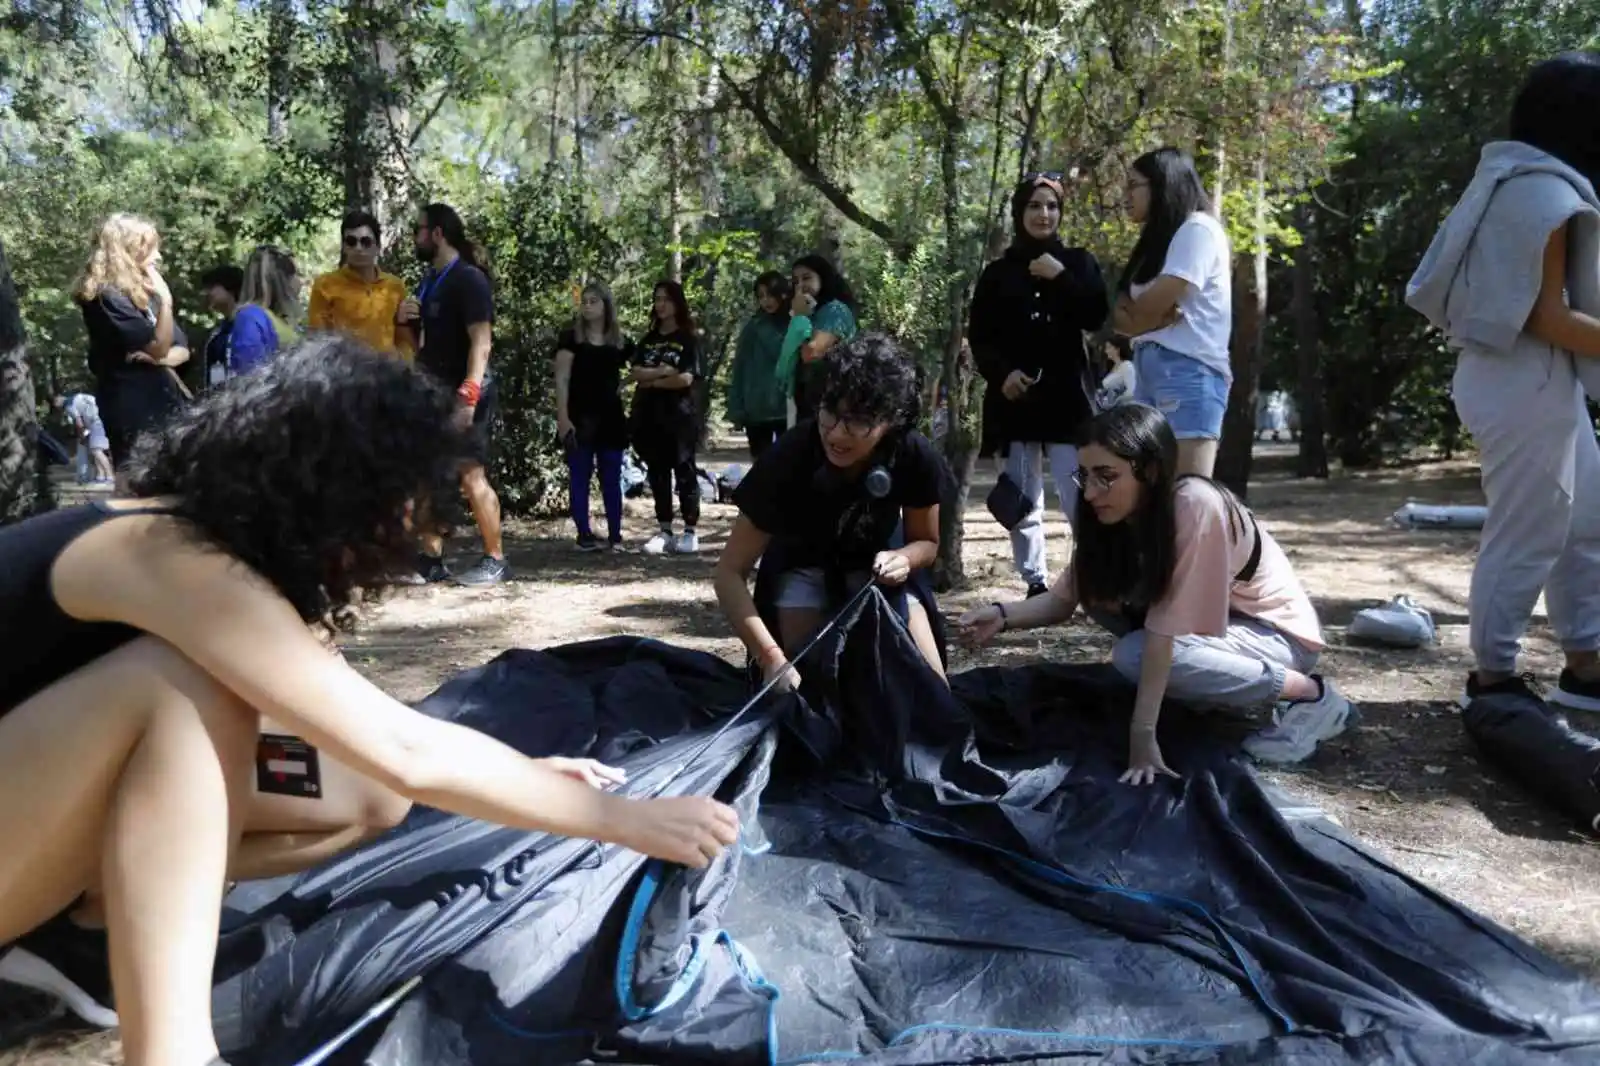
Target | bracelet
(1005,623)
(470,391)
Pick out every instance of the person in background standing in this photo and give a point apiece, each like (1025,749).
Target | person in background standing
(90,433)
(127,312)
(1512,279)
(263,324)
(1030,311)
(589,416)
(663,423)
(358,299)
(454,313)
(824,315)
(756,402)
(1176,302)
(221,287)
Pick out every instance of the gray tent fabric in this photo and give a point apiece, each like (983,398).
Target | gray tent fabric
(927,875)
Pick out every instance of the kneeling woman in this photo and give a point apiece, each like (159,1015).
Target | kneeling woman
(147,640)
(1206,606)
(824,508)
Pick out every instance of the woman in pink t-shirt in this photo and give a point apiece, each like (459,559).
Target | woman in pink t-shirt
(1206,606)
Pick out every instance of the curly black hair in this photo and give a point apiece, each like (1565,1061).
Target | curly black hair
(304,469)
(872,378)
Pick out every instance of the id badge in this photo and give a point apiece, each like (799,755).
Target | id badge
(287,766)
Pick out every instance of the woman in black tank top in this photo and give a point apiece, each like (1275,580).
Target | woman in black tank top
(147,640)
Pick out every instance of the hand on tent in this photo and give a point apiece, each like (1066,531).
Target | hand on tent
(981,625)
(774,665)
(688,830)
(590,772)
(891,568)
(1145,763)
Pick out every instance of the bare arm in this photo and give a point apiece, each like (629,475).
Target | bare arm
(818,345)
(922,536)
(564,359)
(481,335)
(176,355)
(1551,320)
(1155,309)
(731,579)
(144,572)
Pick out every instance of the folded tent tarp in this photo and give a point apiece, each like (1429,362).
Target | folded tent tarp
(1536,746)
(927,876)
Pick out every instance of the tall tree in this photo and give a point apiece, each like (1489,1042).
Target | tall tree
(18,417)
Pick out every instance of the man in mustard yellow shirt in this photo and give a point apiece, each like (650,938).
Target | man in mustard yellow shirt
(359,299)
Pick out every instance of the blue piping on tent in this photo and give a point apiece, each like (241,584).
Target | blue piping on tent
(750,972)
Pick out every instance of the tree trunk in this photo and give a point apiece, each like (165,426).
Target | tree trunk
(24,481)
(555,81)
(960,443)
(1235,452)
(1313,459)
(280,68)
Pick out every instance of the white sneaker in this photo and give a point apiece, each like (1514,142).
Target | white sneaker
(1300,726)
(688,543)
(657,545)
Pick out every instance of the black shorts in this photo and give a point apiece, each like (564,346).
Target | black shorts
(483,423)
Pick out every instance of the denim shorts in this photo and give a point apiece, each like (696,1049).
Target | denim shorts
(806,588)
(1193,396)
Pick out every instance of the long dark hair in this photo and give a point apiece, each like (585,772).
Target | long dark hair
(1558,110)
(833,286)
(1133,560)
(777,287)
(1176,192)
(680,306)
(444,218)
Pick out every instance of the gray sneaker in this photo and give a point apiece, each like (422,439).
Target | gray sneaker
(1300,726)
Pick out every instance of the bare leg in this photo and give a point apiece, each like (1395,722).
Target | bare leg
(1196,456)
(137,765)
(922,633)
(796,625)
(285,835)
(485,509)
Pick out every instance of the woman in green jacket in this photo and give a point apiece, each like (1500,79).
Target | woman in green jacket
(756,400)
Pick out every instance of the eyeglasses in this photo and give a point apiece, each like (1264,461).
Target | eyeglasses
(351,240)
(827,421)
(1086,480)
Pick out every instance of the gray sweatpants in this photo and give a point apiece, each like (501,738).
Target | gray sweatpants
(1244,667)
(1025,466)
(1541,478)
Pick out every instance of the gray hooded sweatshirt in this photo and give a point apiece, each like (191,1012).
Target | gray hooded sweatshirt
(1482,273)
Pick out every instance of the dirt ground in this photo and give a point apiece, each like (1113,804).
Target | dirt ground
(1406,781)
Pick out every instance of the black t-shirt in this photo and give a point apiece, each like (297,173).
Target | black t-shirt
(451,301)
(666,408)
(821,515)
(594,391)
(116,327)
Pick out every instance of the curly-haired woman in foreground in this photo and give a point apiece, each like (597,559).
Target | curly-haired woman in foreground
(147,639)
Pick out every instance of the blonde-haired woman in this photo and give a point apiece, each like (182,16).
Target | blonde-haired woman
(589,416)
(262,326)
(127,312)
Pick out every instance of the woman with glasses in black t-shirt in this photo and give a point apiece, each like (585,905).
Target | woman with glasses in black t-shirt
(849,496)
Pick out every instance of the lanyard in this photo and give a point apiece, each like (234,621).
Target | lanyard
(432,282)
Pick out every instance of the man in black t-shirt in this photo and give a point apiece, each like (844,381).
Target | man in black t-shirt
(454,314)
(850,497)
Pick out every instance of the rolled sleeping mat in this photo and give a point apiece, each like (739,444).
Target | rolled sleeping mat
(1537,748)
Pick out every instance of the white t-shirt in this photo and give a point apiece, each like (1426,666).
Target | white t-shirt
(1198,254)
(83,406)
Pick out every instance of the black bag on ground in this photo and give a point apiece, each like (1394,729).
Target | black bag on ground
(1007,503)
(1537,748)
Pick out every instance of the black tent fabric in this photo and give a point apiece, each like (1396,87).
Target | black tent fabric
(1535,746)
(926,876)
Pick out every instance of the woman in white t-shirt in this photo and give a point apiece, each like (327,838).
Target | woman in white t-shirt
(1176,304)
